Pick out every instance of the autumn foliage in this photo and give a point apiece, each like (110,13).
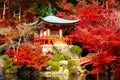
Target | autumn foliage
(4,22)
(98,31)
(29,16)
(25,56)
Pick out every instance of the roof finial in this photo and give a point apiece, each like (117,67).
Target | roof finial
(50,9)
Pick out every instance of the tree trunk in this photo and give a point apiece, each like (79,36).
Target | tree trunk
(4,10)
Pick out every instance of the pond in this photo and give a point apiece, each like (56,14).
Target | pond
(53,77)
(58,77)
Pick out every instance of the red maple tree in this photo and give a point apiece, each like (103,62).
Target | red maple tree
(98,31)
(25,56)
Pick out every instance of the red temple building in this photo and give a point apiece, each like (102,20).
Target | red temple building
(50,31)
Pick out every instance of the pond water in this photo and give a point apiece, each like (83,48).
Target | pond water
(55,77)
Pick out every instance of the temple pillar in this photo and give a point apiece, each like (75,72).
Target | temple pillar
(45,33)
(60,33)
(48,32)
(41,33)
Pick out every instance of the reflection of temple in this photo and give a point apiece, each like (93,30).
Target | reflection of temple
(49,31)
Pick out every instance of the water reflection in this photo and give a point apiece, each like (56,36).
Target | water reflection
(56,77)
(63,77)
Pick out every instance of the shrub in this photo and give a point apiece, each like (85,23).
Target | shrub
(76,50)
(54,65)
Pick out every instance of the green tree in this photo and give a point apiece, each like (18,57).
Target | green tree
(40,10)
(76,50)
(55,61)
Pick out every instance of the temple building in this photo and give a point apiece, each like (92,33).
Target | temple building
(49,31)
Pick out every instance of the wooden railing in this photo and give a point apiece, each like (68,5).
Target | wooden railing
(51,40)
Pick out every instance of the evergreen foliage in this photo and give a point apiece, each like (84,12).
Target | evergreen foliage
(76,50)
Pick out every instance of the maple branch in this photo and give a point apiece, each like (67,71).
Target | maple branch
(4,46)
(21,34)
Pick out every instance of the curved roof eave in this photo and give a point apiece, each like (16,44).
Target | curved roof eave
(53,19)
(57,20)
